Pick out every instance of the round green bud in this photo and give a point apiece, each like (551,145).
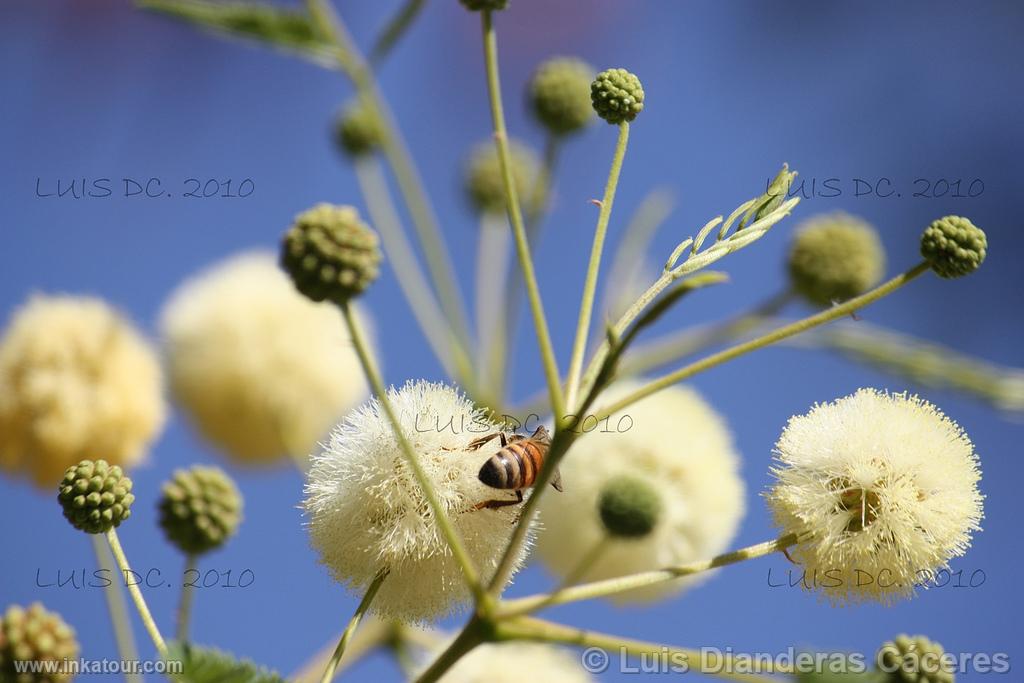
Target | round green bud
(200,508)
(358,131)
(34,635)
(953,246)
(629,507)
(914,659)
(330,253)
(95,496)
(835,257)
(485,185)
(559,95)
(617,95)
(480,5)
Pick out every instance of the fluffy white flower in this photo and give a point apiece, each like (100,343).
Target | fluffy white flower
(885,484)
(681,447)
(76,381)
(367,511)
(516,662)
(261,370)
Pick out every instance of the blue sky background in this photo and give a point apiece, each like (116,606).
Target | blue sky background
(853,90)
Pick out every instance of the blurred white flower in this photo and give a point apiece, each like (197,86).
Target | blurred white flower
(885,484)
(261,370)
(518,662)
(367,511)
(677,444)
(76,381)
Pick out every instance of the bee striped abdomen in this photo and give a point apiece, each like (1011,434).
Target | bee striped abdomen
(513,467)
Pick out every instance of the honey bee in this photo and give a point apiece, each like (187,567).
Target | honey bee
(516,466)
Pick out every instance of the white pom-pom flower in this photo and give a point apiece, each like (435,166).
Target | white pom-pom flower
(261,370)
(516,662)
(885,488)
(367,512)
(682,449)
(76,381)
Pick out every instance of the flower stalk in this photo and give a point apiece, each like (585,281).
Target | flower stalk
(353,624)
(594,267)
(469,571)
(133,590)
(516,217)
(118,610)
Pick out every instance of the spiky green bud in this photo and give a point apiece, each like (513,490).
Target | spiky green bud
(35,635)
(559,95)
(953,246)
(629,507)
(330,253)
(835,257)
(480,5)
(914,659)
(485,185)
(617,95)
(200,509)
(358,131)
(95,496)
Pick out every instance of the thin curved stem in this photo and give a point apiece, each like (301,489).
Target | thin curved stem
(353,624)
(539,630)
(126,648)
(445,344)
(439,265)
(185,603)
(469,571)
(593,269)
(614,586)
(515,215)
(676,346)
(470,636)
(772,337)
(395,29)
(133,590)
(503,341)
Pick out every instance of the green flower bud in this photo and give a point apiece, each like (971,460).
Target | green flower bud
(330,253)
(953,246)
(200,509)
(35,635)
(914,660)
(617,95)
(559,94)
(358,130)
(480,5)
(485,186)
(95,496)
(835,257)
(629,508)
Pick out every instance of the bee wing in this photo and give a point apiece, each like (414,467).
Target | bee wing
(556,481)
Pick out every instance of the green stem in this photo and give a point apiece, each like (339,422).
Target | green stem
(540,322)
(411,279)
(596,250)
(377,385)
(396,27)
(185,604)
(526,628)
(472,635)
(133,590)
(768,339)
(674,347)
(126,648)
(439,265)
(353,624)
(503,341)
(607,587)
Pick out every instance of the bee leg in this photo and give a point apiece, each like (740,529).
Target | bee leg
(477,443)
(785,551)
(495,504)
(556,481)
